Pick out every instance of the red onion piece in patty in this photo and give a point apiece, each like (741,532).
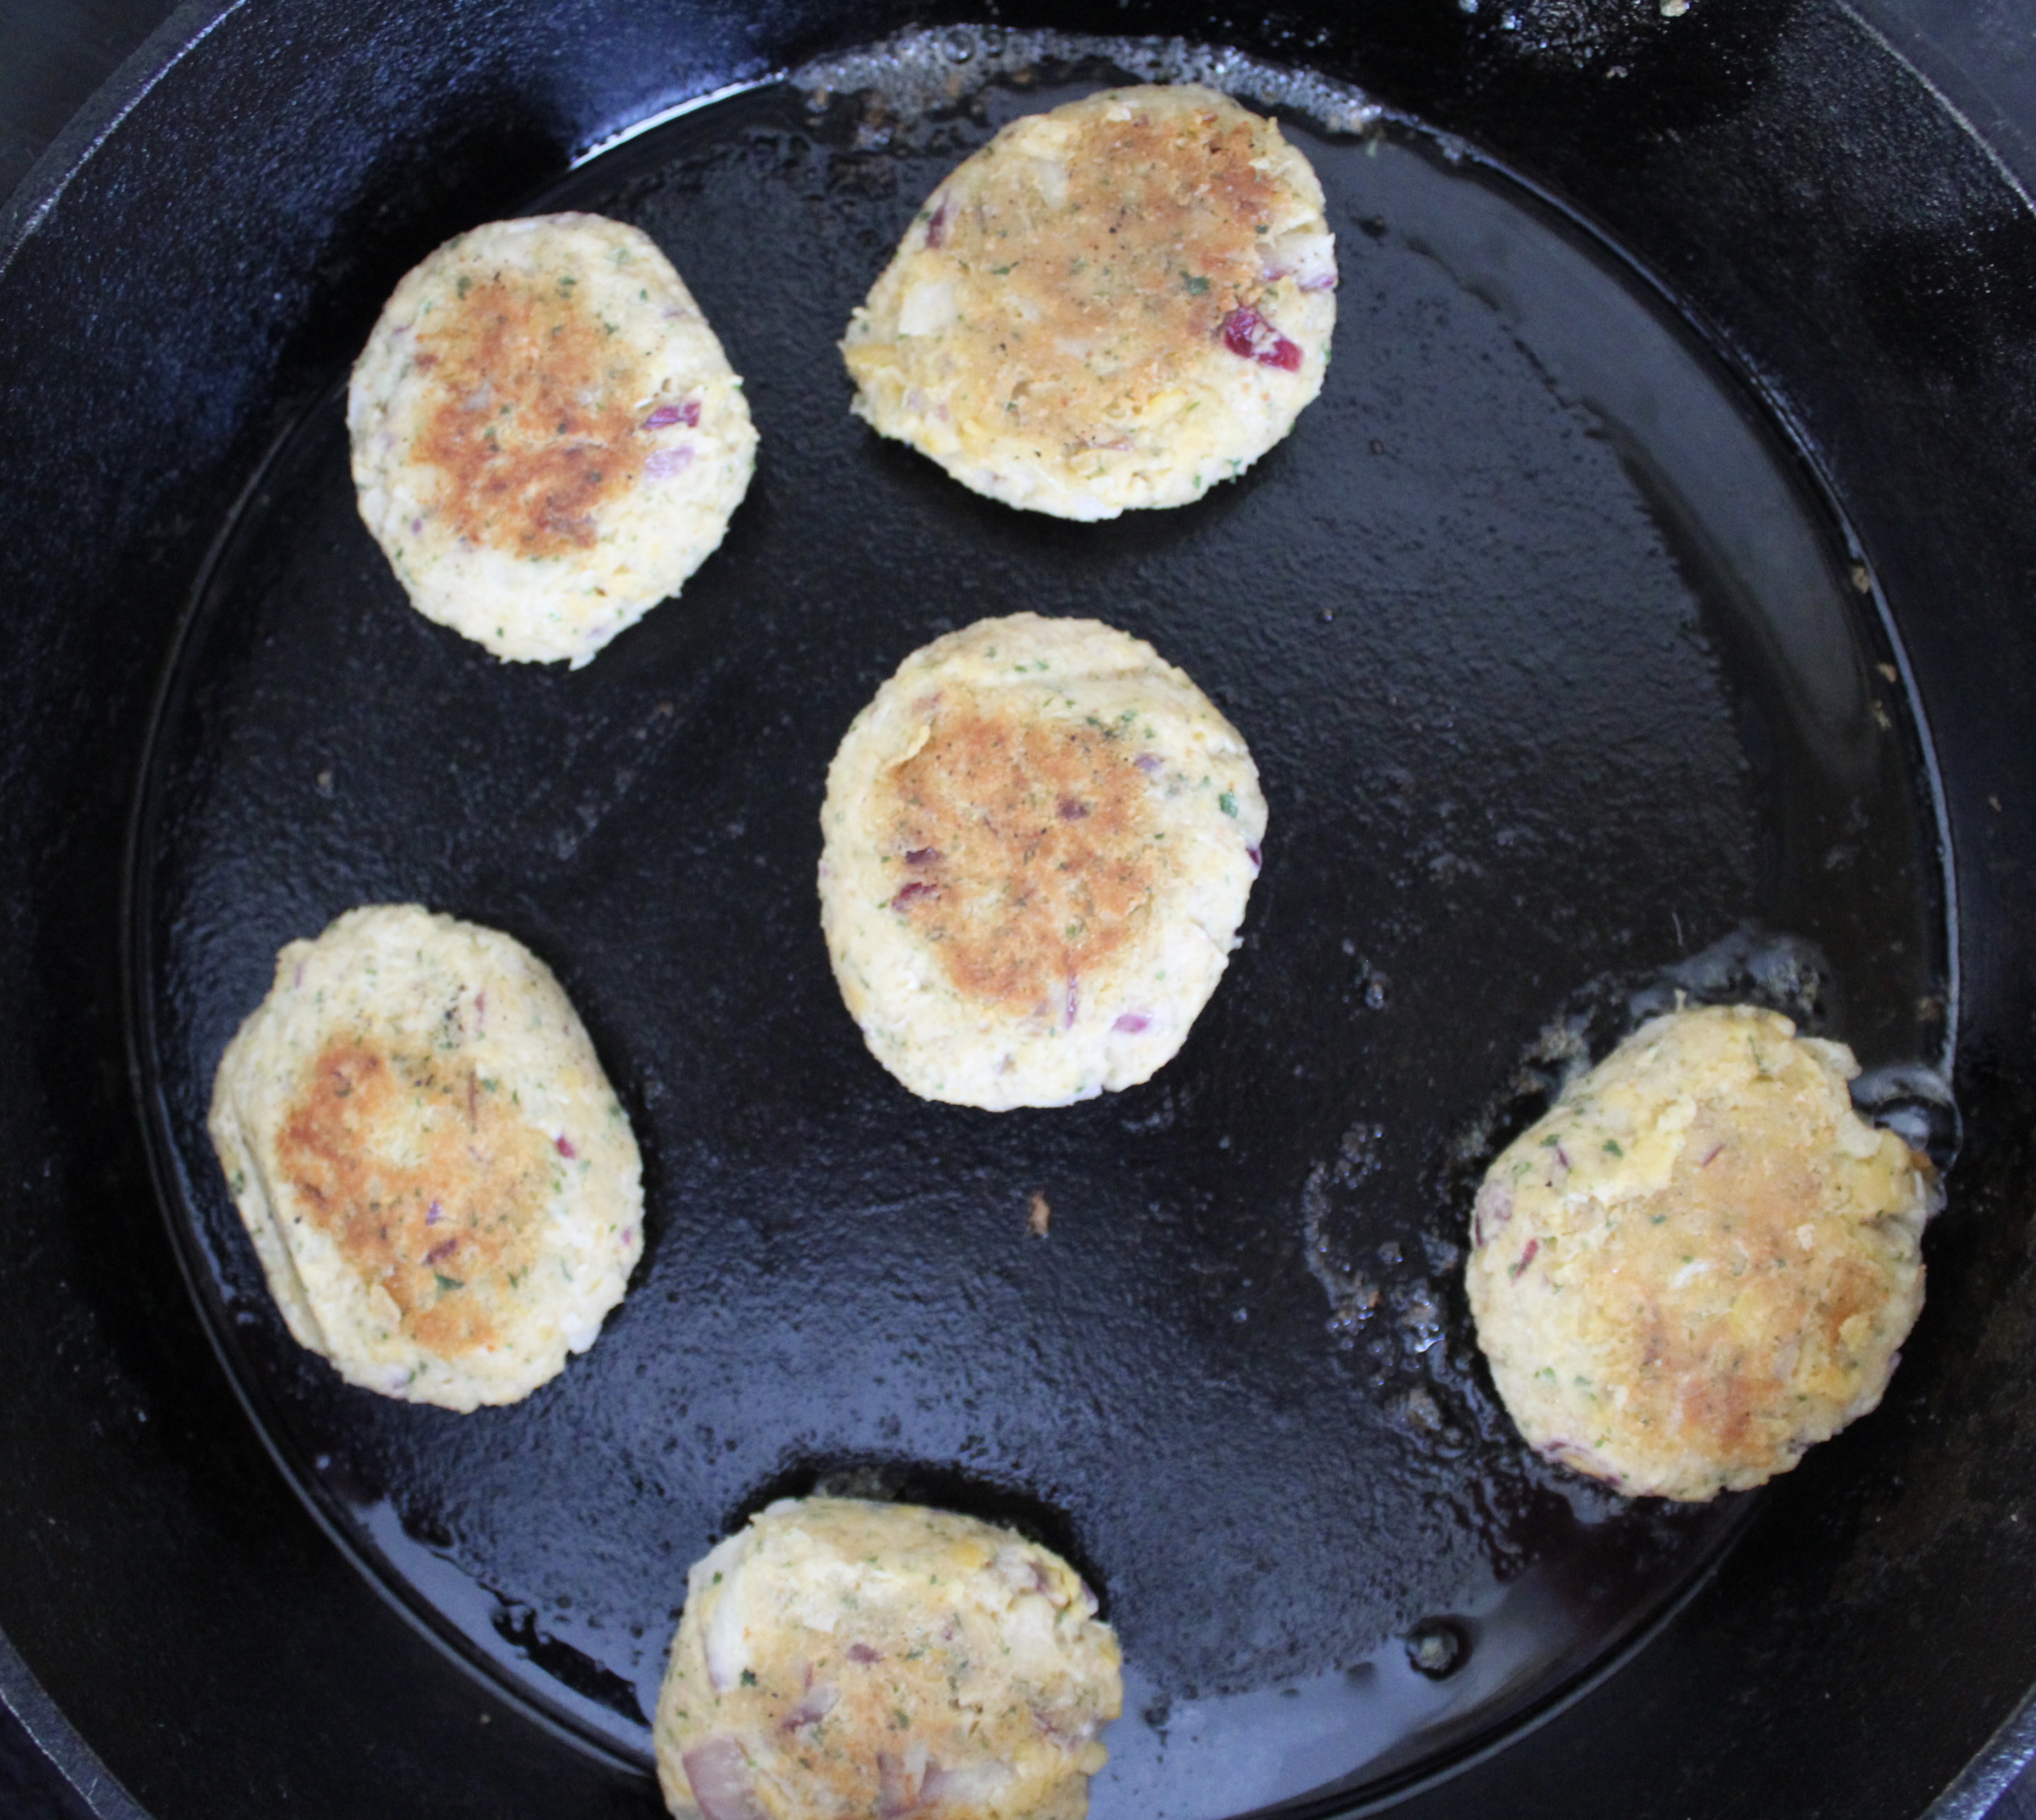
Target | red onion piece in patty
(1251,853)
(1575,1455)
(819,1702)
(722,1787)
(901,1782)
(433,1214)
(1021,1572)
(1148,762)
(1249,337)
(906,893)
(862,1653)
(973,1782)
(1306,256)
(564,1145)
(665,415)
(439,1253)
(893,1798)
(667,463)
(1071,811)
(1069,1732)
(923,857)
(1492,1209)
(1132,1022)
(937,224)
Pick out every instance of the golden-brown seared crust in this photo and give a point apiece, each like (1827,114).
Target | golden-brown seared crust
(535,423)
(1154,246)
(1040,837)
(1726,1373)
(1026,848)
(428,1183)
(841,1658)
(1701,1261)
(1110,307)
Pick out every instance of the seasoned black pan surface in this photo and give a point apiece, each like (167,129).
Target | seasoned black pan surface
(1569,690)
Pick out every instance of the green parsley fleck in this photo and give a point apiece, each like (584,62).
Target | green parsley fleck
(1197,284)
(749,1678)
(1227,803)
(446,1283)
(1611,1147)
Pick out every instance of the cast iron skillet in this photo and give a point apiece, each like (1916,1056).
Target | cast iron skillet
(208,1598)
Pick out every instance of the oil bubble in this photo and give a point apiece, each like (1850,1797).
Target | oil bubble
(1437,1648)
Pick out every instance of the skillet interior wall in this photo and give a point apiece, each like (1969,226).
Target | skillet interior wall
(234,238)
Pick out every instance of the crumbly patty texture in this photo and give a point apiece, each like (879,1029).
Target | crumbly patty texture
(1039,840)
(1702,1260)
(1112,305)
(444,1193)
(547,438)
(841,1658)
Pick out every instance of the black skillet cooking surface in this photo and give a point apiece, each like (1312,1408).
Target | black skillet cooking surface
(1565,690)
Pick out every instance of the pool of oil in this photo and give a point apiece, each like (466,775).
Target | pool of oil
(1568,691)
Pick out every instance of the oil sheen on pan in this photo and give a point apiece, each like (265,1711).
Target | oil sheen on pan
(1552,711)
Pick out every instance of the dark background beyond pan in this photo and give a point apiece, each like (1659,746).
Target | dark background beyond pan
(1817,1584)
